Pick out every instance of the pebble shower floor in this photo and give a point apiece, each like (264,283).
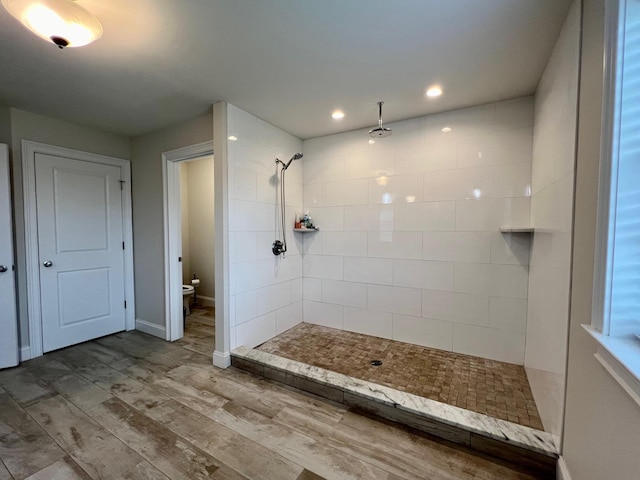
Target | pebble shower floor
(493,388)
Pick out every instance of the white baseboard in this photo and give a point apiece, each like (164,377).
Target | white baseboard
(25,354)
(207,301)
(562,472)
(151,328)
(221,359)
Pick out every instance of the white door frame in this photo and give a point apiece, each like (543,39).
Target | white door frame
(29,151)
(172,234)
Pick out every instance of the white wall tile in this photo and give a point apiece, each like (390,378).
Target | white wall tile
(242,184)
(288,268)
(492,213)
(457,246)
(395,189)
(395,244)
(323,266)
(323,169)
(273,297)
(312,289)
(288,317)
(371,218)
(508,313)
(346,192)
(368,322)
(251,216)
(370,164)
(511,180)
(246,306)
(243,246)
(329,219)
(296,289)
(489,279)
(368,270)
(517,113)
(344,243)
(256,331)
(510,248)
(436,155)
(344,293)
(458,184)
(325,314)
(311,242)
(490,343)
(425,216)
(423,274)
(498,148)
(423,331)
(456,307)
(251,275)
(407,301)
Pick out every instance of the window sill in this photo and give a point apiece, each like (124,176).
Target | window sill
(620,356)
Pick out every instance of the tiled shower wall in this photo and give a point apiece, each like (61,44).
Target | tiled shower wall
(409,246)
(265,291)
(551,214)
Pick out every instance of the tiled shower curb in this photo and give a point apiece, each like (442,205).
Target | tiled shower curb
(499,438)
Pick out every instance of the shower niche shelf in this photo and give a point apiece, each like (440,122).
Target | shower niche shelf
(306,230)
(516,230)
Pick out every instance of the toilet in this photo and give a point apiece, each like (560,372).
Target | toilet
(187,292)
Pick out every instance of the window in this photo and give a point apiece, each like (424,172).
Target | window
(616,308)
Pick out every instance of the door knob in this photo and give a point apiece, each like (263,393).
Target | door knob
(3,268)
(47,263)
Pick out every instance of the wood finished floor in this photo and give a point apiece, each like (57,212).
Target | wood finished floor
(131,406)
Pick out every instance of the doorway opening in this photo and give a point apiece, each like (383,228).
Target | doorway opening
(189,211)
(197,214)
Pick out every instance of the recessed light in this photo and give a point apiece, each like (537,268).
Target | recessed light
(434,91)
(446,129)
(337,114)
(233,138)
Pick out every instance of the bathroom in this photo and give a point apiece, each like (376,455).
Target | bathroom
(197,207)
(453,233)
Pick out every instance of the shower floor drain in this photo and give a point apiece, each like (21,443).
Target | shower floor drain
(376,363)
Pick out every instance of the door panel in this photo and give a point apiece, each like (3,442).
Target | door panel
(79,211)
(8,318)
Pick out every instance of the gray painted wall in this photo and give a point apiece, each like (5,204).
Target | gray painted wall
(602,422)
(147,187)
(29,126)
(5,125)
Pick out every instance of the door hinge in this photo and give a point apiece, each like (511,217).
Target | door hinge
(125,304)
(122,182)
(123,245)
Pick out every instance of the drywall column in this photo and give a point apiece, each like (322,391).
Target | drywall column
(602,422)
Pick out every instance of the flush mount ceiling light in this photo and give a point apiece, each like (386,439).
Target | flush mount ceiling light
(62,22)
(434,91)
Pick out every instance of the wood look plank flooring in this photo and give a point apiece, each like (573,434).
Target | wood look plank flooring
(131,406)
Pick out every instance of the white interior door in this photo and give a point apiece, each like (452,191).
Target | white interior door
(80,248)
(8,319)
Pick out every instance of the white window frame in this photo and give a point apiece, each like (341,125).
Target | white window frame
(618,354)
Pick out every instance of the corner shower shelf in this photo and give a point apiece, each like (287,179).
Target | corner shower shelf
(306,230)
(517,229)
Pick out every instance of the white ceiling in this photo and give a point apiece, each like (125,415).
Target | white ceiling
(289,62)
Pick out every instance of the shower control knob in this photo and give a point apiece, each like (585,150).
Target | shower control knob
(278,248)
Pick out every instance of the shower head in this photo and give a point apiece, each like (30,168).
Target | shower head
(381,131)
(297,156)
